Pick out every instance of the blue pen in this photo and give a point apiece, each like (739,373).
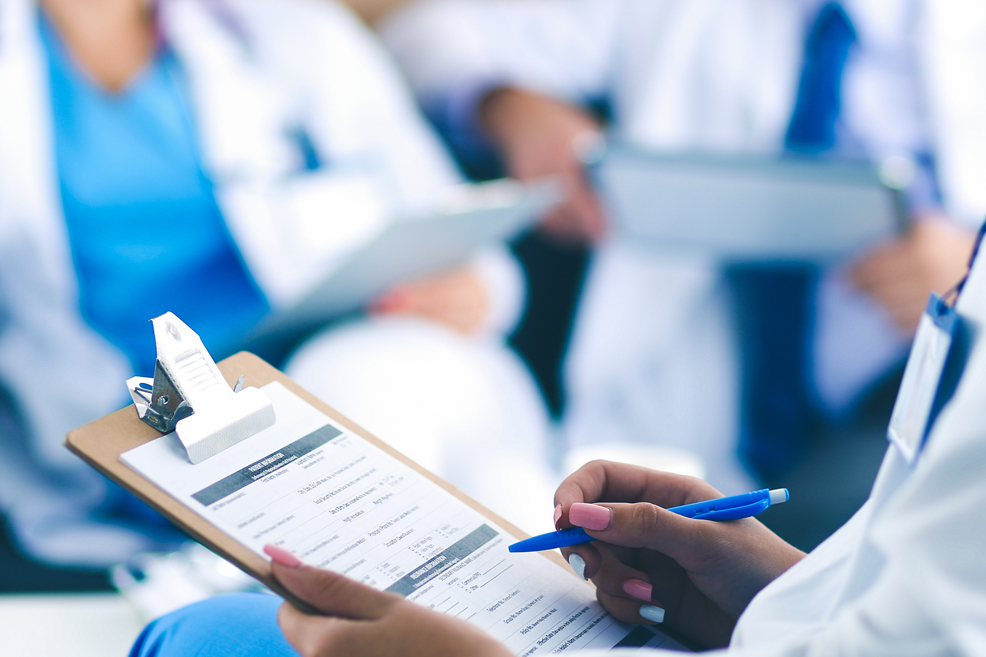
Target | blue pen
(724,508)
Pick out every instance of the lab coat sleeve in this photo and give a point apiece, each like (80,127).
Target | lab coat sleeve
(918,577)
(454,51)
(928,596)
(915,574)
(921,592)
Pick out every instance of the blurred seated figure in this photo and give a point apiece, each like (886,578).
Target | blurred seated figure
(657,337)
(216,160)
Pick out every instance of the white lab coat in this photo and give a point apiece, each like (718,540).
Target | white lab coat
(905,576)
(651,357)
(257,69)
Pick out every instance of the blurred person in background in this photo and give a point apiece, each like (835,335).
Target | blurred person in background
(216,159)
(658,338)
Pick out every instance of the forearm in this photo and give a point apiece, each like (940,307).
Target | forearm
(511,116)
(543,137)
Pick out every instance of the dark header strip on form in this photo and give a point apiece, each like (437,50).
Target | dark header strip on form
(443,561)
(265,466)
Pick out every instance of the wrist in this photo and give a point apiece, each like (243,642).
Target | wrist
(513,117)
(499,111)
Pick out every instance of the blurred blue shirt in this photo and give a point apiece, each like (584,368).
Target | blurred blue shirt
(145,231)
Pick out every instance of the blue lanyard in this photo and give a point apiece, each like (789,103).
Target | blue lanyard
(933,370)
(952,295)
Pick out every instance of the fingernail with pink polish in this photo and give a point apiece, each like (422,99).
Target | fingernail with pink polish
(557,515)
(638,588)
(281,556)
(590,516)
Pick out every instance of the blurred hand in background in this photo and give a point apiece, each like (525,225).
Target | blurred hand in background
(932,257)
(457,298)
(543,137)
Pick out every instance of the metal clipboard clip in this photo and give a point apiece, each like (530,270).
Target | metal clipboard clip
(188,395)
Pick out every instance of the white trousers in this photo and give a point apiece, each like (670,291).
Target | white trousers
(653,362)
(464,408)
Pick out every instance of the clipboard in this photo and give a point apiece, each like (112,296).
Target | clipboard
(407,250)
(747,208)
(101,443)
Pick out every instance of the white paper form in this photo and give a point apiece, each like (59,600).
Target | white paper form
(339,502)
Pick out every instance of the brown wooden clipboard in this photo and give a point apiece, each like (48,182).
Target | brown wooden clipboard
(101,443)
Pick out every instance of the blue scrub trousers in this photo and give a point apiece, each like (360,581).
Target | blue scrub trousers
(236,625)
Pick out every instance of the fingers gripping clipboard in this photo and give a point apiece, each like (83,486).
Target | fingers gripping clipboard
(346,501)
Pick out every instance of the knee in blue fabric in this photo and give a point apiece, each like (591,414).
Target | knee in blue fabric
(242,624)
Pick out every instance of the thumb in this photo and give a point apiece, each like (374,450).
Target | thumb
(330,593)
(640,525)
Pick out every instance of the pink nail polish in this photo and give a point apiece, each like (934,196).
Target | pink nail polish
(590,516)
(638,589)
(281,556)
(557,515)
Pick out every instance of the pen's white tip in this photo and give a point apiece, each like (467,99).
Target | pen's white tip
(779,495)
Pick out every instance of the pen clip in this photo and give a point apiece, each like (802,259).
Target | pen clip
(735,513)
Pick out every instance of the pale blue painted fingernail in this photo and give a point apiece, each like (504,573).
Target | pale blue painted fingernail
(578,564)
(652,613)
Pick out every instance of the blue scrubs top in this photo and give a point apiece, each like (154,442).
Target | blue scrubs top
(145,232)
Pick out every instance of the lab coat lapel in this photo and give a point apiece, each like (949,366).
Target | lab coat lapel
(61,372)
(952,60)
(30,206)
(746,55)
(240,118)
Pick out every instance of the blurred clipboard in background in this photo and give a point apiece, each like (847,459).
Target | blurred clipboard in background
(321,487)
(745,207)
(477,216)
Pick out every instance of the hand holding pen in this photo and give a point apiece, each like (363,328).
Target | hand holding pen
(734,507)
(650,564)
